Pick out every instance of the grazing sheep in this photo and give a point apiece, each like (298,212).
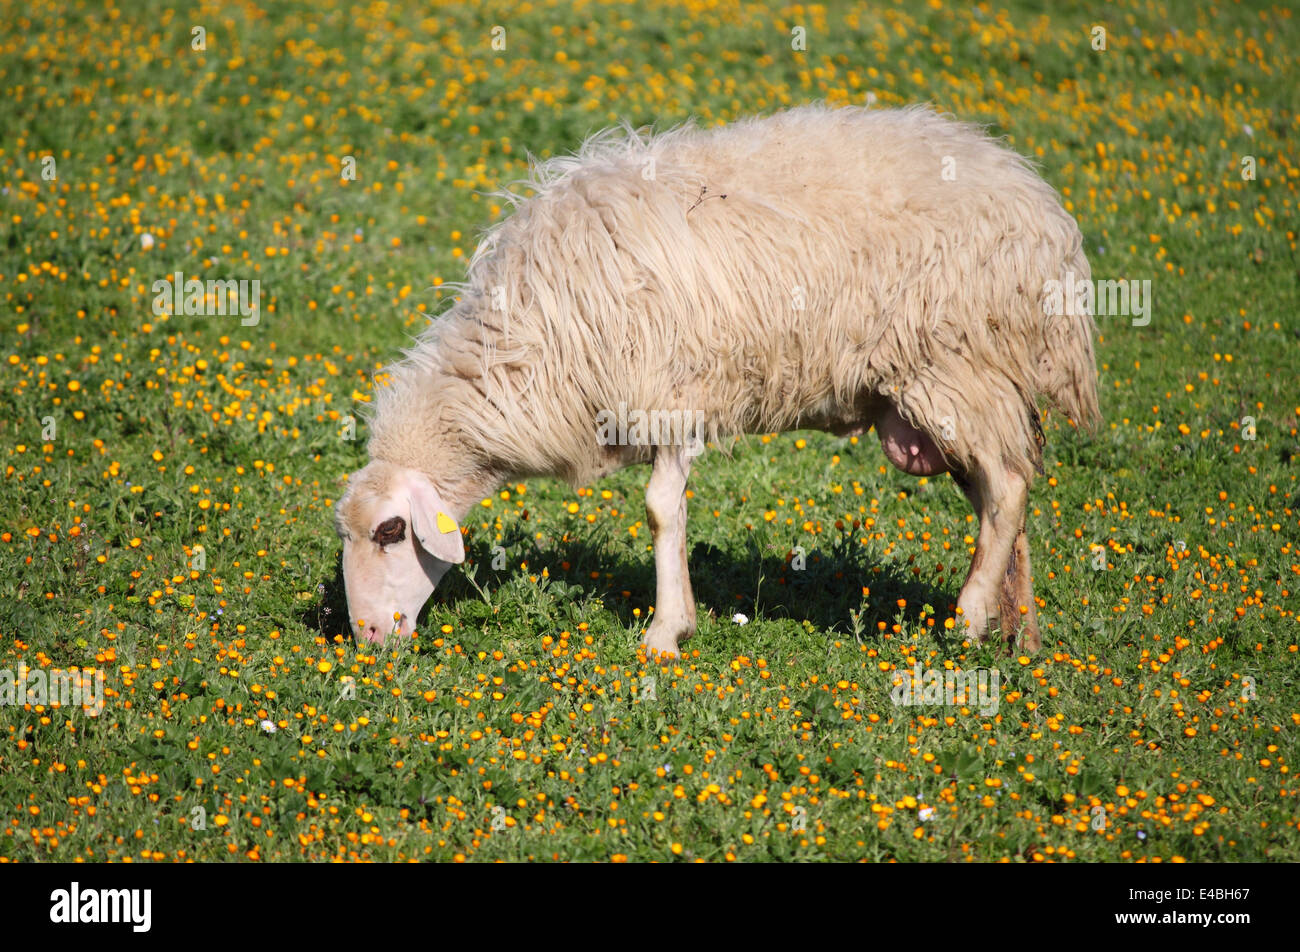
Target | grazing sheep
(822,268)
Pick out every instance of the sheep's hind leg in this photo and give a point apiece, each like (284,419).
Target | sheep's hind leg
(999,570)
(665,502)
(1018,610)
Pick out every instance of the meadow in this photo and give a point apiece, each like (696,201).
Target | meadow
(167,479)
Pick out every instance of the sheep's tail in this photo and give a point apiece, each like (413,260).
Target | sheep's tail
(1067,366)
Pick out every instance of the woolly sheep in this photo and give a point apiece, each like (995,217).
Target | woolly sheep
(822,268)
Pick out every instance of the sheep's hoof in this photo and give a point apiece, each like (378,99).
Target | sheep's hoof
(1020,635)
(1029,640)
(979,621)
(665,638)
(664,646)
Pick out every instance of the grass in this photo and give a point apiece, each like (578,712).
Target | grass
(167,480)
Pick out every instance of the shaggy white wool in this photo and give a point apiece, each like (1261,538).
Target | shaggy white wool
(773,273)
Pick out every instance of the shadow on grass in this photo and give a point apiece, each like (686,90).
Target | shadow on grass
(329,615)
(756,580)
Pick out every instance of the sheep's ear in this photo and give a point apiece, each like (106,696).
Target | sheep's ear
(437,532)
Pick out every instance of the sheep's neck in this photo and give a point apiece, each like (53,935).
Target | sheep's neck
(467,492)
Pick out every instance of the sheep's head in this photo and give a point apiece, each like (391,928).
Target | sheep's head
(398,542)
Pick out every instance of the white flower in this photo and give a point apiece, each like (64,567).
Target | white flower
(740,619)
(146,241)
(1248,129)
(925,813)
(269,726)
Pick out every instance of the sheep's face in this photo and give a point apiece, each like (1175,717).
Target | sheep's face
(398,542)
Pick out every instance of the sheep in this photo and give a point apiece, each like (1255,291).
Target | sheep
(820,268)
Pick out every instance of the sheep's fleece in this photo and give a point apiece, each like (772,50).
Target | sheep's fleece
(823,268)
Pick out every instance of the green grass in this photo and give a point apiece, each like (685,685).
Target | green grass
(518,725)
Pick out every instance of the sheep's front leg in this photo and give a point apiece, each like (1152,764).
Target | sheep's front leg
(998,496)
(665,503)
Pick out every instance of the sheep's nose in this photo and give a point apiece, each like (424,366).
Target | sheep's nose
(372,633)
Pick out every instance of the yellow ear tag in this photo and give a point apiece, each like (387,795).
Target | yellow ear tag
(446,523)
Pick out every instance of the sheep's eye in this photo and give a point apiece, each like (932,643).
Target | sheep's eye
(390,531)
